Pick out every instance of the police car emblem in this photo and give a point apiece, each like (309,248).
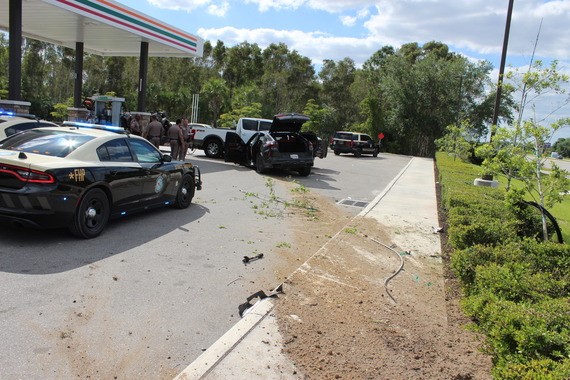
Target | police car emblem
(159,186)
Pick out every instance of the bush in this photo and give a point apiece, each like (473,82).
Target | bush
(516,287)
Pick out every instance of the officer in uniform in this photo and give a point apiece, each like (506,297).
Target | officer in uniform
(183,149)
(154,131)
(175,137)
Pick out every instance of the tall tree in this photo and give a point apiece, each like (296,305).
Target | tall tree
(242,63)
(3,65)
(286,78)
(337,78)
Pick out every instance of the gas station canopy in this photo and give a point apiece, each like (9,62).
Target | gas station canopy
(105,27)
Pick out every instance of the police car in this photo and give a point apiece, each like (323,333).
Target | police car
(11,123)
(80,177)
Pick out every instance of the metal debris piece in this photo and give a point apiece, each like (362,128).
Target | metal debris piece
(244,307)
(247,259)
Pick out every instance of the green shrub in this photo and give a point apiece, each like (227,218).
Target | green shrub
(516,287)
(537,369)
(519,332)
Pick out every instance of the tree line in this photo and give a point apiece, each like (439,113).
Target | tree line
(410,94)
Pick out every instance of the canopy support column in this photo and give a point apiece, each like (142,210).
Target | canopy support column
(143,68)
(15,51)
(78,87)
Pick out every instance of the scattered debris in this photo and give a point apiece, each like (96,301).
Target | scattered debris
(247,259)
(437,230)
(244,307)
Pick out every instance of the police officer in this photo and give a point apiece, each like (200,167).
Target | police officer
(175,137)
(183,149)
(154,131)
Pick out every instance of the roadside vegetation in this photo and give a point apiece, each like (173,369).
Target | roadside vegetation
(508,245)
(409,93)
(516,286)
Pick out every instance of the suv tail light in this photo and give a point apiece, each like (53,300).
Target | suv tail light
(27,175)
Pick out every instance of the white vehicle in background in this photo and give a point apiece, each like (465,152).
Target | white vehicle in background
(212,140)
(10,125)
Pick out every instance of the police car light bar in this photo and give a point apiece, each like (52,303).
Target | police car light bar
(109,128)
(14,114)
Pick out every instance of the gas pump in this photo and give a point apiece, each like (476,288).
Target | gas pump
(107,110)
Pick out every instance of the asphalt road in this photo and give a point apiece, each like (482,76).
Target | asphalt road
(154,290)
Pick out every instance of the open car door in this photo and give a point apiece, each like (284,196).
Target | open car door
(234,148)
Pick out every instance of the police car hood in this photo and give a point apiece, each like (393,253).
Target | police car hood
(288,122)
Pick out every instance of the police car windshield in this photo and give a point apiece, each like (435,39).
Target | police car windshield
(45,142)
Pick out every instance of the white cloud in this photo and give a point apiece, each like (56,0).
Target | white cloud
(316,45)
(348,20)
(477,25)
(186,5)
(332,6)
(219,10)
(474,26)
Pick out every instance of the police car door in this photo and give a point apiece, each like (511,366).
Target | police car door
(159,183)
(125,176)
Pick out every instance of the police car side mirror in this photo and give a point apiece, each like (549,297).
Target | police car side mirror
(166,158)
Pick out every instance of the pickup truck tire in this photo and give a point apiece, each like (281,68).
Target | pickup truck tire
(305,171)
(375,154)
(213,148)
(336,152)
(358,152)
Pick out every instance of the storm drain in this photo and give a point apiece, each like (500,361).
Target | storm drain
(353,203)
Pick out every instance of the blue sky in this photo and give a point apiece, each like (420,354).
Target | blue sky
(335,29)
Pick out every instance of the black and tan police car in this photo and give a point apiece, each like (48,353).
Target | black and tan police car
(80,177)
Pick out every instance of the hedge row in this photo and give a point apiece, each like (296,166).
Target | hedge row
(516,288)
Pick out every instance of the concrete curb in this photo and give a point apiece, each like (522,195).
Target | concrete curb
(204,364)
(204,367)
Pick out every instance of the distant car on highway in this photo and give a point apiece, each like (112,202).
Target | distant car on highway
(81,177)
(355,143)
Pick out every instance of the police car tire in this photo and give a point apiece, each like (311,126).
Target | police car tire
(185,192)
(87,227)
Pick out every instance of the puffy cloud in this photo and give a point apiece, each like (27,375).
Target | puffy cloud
(317,46)
(332,6)
(475,27)
(219,10)
(184,5)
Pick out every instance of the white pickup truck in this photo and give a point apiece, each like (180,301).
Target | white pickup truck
(212,140)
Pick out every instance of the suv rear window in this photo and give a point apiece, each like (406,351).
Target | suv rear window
(343,136)
(45,142)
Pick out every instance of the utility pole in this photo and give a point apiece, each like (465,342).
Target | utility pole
(502,67)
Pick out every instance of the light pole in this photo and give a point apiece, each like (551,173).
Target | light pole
(502,66)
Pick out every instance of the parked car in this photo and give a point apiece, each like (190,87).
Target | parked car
(280,146)
(355,143)
(10,125)
(80,177)
(320,146)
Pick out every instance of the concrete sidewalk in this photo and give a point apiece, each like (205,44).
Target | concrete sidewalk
(252,349)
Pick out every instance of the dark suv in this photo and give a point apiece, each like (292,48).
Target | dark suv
(355,143)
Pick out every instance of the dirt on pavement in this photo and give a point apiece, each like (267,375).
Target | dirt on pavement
(373,303)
